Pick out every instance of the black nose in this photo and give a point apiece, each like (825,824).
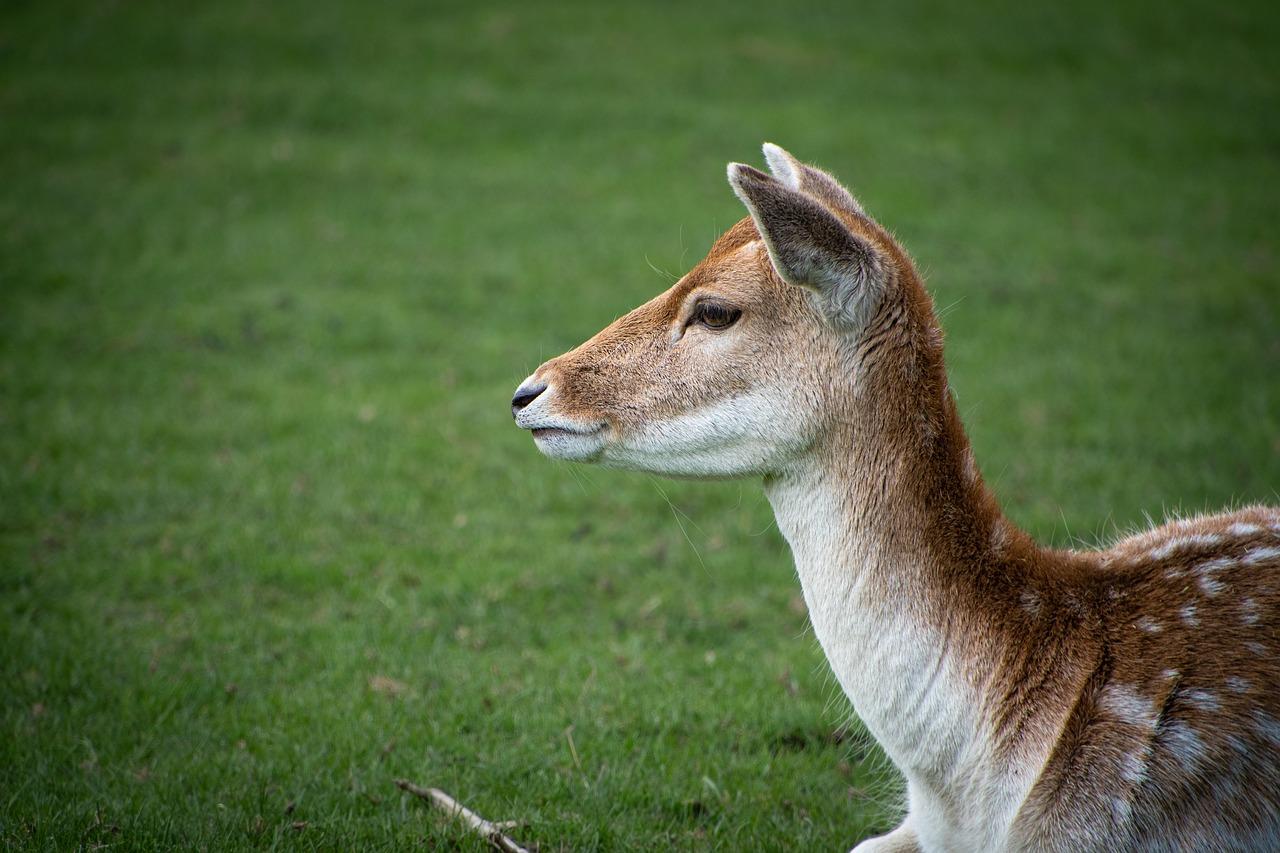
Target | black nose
(525,395)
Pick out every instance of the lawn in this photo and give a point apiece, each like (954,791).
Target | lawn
(270,272)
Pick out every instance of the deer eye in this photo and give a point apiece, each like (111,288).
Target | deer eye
(715,315)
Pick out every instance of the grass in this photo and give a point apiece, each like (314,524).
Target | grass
(269,273)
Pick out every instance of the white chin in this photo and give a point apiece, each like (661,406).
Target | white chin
(572,446)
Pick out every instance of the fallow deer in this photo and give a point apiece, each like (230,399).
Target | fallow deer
(1034,698)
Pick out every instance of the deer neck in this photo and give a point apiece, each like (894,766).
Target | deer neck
(885,521)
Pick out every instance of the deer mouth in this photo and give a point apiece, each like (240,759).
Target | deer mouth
(554,432)
(571,442)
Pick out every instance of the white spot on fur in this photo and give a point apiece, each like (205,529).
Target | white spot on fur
(1030,602)
(1242,529)
(1133,767)
(1169,674)
(1236,684)
(1256,647)
(1217,565)
(1260,555)
(1208,583)
(1249,611)
(1174,573)
(1189,615)
(1211,586)
(1123,702)
(1183,542)
(1202,699)
(1184,743)
(1151,626)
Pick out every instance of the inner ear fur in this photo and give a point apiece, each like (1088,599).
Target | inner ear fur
(812,248)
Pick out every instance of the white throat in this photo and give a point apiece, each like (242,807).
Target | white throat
(869,608)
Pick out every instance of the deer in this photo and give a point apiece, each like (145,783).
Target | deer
(1032,698)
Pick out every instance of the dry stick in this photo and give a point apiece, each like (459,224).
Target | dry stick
(573,751)
(489,830)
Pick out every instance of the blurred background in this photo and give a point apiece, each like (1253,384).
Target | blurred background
(270,272)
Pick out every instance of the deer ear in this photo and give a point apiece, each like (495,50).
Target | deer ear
(810,247)
(809,179)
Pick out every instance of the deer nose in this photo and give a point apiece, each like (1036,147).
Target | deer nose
(525,395)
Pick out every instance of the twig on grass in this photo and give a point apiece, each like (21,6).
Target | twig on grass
(573,751)
(491,831)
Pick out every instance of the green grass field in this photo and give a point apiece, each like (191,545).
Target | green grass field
(270,272)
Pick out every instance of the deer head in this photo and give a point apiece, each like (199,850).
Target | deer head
(750,358)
